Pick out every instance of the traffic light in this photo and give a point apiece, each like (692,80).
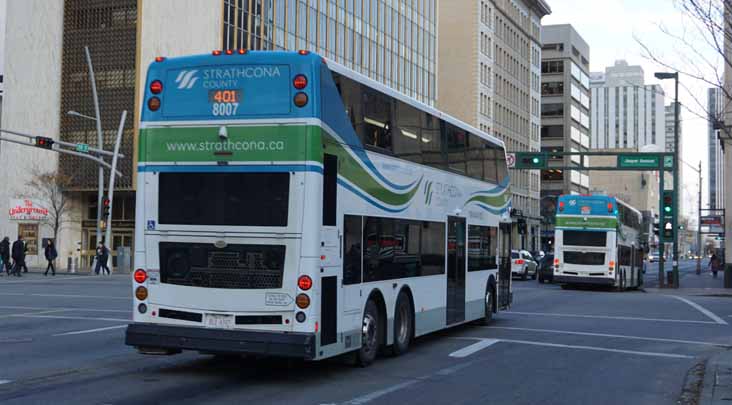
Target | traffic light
(44,142)
(531,160)
(522,227)
(656,226)
(668,229)
(668,203)
(107,205)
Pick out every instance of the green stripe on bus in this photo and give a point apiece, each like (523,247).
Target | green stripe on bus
(586,222)
(243,143)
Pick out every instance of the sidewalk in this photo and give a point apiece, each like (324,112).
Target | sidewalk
(717,388)
(695,284)
(42,270)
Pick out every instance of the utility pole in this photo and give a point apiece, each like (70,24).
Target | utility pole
(100,141)
(110,195)
(661,239)
(698,226)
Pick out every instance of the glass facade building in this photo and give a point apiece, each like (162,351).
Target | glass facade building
(390,41)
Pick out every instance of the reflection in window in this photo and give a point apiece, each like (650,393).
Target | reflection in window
(482,247)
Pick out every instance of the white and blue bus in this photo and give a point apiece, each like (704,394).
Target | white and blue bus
(597,241)
(289,206)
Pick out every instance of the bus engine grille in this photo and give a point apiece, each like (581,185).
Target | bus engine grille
(234,266)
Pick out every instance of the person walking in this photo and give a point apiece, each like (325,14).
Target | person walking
(102,257)
(18,252)
(714,264)
(5,255)
(51,255)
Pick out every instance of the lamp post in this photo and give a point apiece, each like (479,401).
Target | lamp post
(675,172)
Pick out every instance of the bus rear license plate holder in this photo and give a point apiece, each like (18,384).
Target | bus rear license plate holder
(219,321)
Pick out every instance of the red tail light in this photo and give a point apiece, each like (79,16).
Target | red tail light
(300,82)
(140,275)
(156,87)
(303,52)
(242,51)
(159,58)
(520,261)
(229,52)
(153,103)
(301,99)
(304,283)
(556,262)
(216,53)
(610,208)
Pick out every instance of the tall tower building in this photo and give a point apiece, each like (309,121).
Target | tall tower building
(489,75)
(715,156)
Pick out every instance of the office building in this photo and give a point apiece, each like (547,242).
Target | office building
(392,41)
(565,116)
(489,75)
(626,113)
(715,155)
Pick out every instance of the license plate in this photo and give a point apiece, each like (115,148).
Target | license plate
(585,210)
(219,321)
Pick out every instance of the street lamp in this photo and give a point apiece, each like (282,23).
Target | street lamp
(80,115)
(675,170)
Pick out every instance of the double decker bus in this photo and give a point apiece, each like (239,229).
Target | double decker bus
(289,206)
(597,241)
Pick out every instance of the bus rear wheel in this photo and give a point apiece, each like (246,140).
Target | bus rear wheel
(403,325)
(369,335)
(490,296)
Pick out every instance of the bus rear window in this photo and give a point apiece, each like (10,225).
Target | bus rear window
(584,238)
(224,199)
(589,259)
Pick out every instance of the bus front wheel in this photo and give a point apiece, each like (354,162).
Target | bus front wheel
(369,335)
(403,321)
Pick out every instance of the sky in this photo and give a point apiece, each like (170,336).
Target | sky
(612,29)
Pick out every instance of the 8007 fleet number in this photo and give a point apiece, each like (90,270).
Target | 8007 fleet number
(224,109)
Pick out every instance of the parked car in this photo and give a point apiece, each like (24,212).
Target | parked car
(653,257)
(545,268)
(523,264)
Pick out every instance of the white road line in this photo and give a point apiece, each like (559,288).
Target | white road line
(566,332)
(701,309)
(624,318)
(50,311)
(70,296)
(5,382)
(46,279)
(592,348)
(467,351)
(82,332)
(122,311)
(83,318)
(380,393)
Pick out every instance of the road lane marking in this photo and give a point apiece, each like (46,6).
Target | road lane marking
(84,318)
(69,296)
(701,309)
(591,348)
(610,335)
(50,311)
(467,351)
(5,382)
(624,318)
(47,279)
(122,311)
(82,332)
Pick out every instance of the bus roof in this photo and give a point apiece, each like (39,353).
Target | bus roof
(573,203)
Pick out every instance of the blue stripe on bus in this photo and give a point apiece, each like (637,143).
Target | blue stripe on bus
(369,199)
(230,168)
(498,188)
(493,210)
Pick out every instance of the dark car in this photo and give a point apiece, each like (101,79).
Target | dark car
(545,269)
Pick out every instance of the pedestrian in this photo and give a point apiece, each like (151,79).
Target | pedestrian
(5,255)
(714,264)
(18,252)
(102,257)
(51,255)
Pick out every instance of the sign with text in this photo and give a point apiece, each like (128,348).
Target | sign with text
(26,209)
(641,162)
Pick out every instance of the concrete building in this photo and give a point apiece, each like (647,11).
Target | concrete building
(626,113)
(489,75)
(393,42)
(715,155)
(727,136)
(565,115)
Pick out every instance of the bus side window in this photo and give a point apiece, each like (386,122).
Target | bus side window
(352,237)
(330,189)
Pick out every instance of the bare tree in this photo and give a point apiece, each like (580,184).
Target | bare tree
(701,50)
(51,189)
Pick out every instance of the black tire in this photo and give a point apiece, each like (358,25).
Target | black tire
(403,325)
(490,305)
(525,274)
(369,335)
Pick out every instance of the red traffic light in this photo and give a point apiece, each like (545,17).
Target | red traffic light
(106,202)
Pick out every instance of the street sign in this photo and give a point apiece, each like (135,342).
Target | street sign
(511,159)
(668,162)
(641,162)
(82,147)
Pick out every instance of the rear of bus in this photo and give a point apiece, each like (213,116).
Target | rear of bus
(585,240)
(228,206)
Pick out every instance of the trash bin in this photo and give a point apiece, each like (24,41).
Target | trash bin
(124,259)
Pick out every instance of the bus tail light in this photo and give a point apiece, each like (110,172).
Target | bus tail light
(217,52)
(242,51)
(561,206)
(611,266)
(141,293)
(156,87)
(140,275)
(302,301)
(142,308)
(229,52)
(303,52)
(301,99)
(556,262)
(609,208)
(300,82)
(159,59)
(304,283)
(153,103)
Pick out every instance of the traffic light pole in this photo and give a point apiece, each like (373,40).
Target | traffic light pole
(661,239)
(110,195)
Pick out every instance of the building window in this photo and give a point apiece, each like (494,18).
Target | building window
(552,66)
(552,89)
(552,110)
(29,232)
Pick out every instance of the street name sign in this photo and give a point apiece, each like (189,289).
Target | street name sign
(82,147)
(638,161)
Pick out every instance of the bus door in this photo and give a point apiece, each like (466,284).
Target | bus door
(504,265)
(331,253)
(455,270)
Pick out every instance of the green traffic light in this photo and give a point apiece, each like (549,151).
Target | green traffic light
(535,160)
(667,209)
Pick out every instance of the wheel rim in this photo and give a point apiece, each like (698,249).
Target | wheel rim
(403,332)
(368,333)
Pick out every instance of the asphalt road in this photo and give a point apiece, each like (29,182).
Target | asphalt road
(61,341)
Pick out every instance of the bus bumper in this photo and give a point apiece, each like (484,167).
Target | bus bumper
(153,336)
(584,280)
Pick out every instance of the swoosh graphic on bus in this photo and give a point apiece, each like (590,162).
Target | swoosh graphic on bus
(499,188)
(497,202)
